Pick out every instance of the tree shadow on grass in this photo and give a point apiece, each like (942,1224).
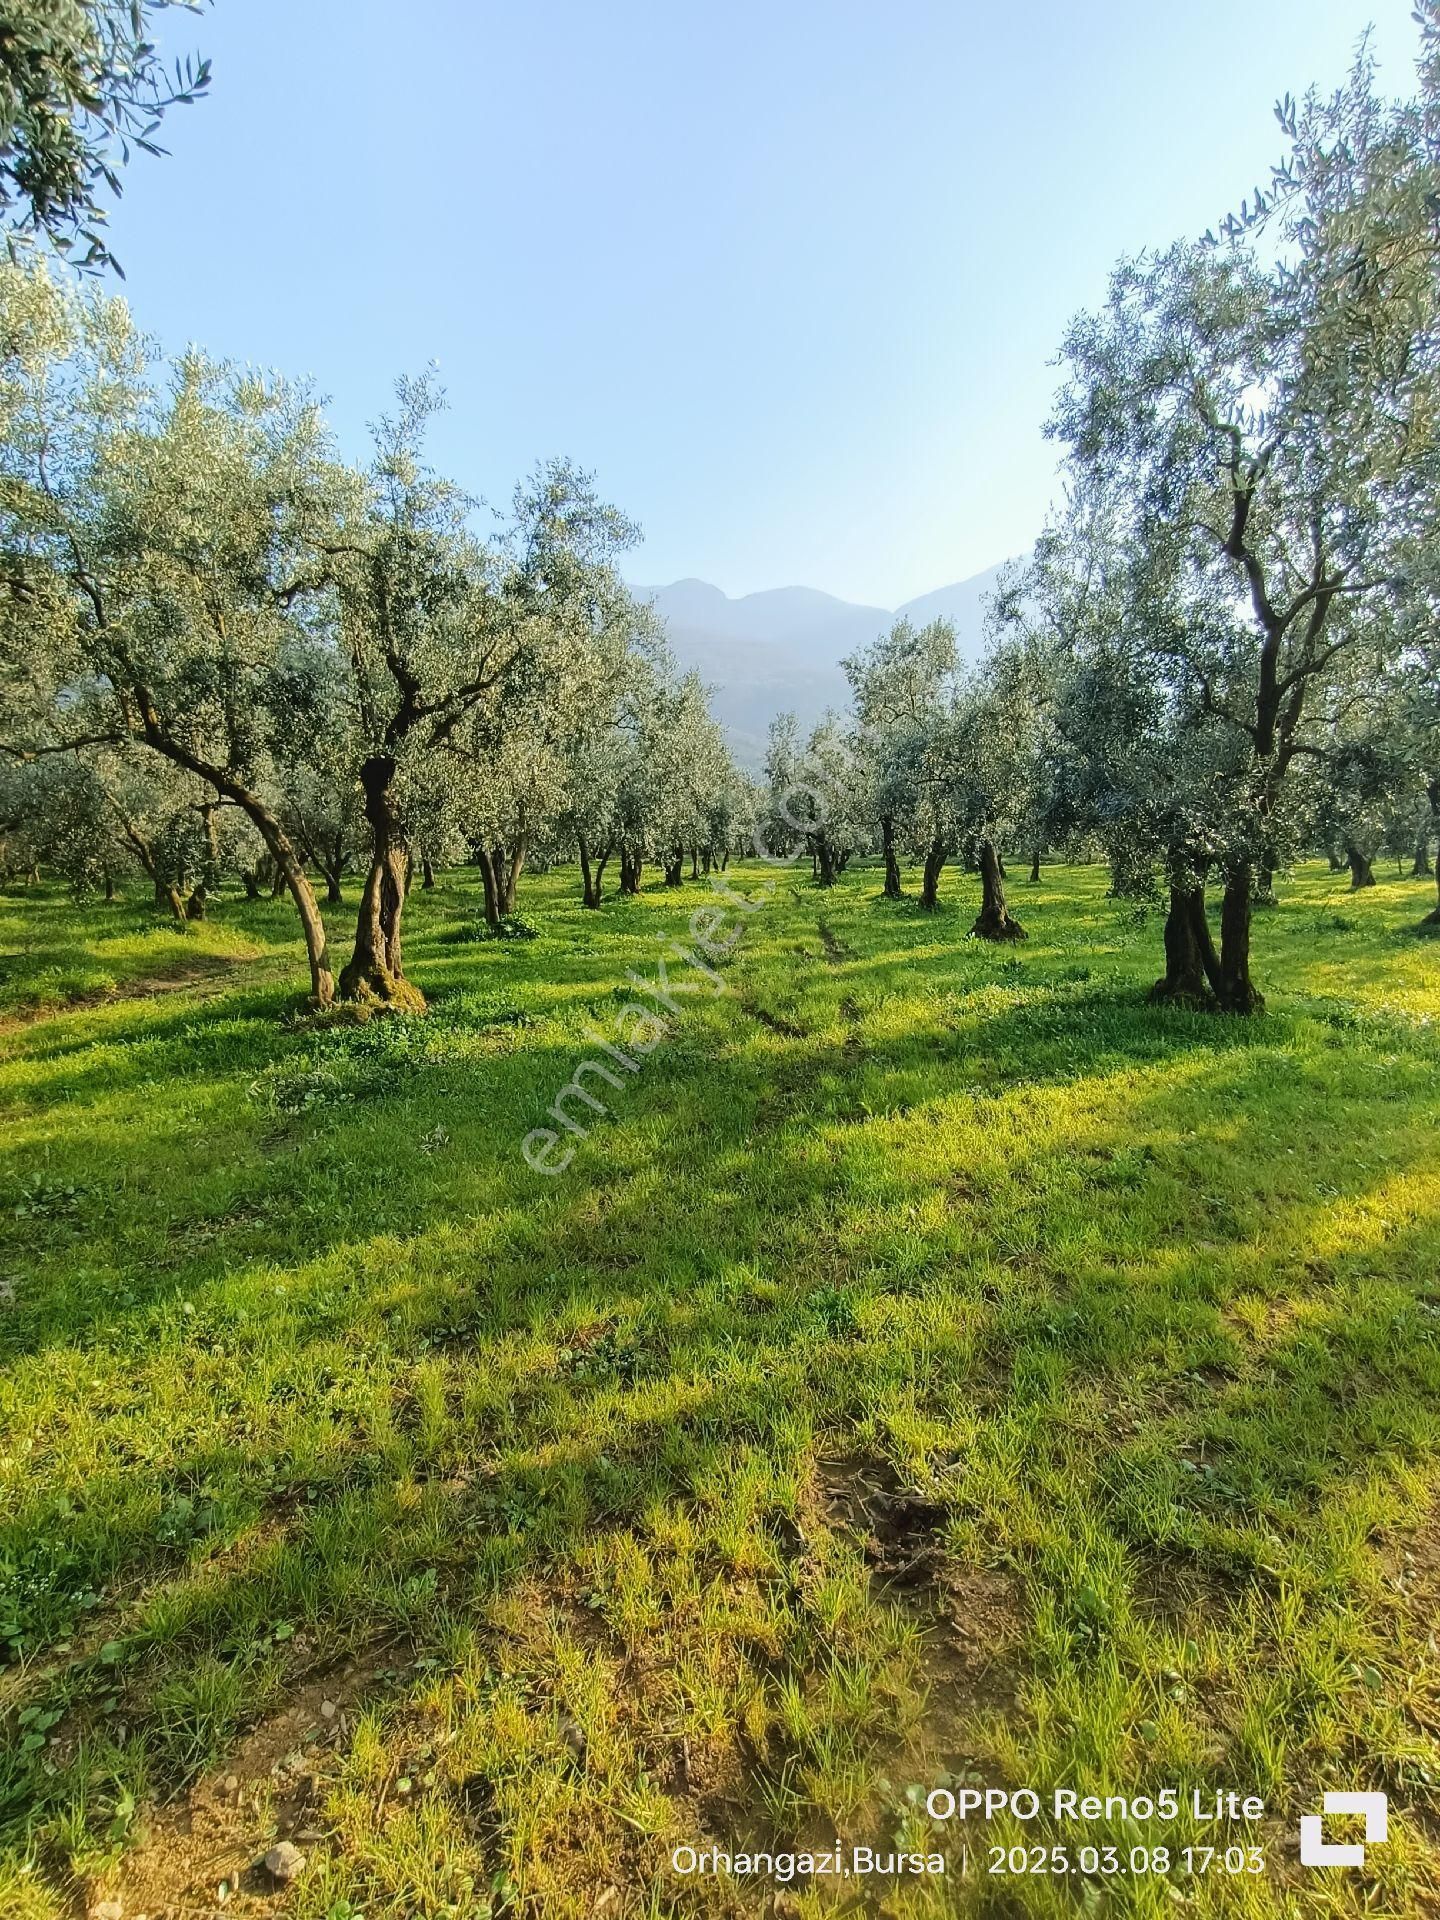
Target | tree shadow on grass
(642,1397)
(714,1109)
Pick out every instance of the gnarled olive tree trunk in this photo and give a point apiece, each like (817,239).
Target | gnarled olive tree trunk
(892,864)
(631,862)
(1236,991)
(1196,975)
(592,872)
(375,971)
(1192,966)
(500,869)
(1360,870)
(995,921)
(930,878)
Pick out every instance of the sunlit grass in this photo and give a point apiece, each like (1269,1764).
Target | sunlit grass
(304,1364)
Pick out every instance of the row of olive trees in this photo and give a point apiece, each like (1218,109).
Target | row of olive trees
(936,763)
(1225,647)
(225,649)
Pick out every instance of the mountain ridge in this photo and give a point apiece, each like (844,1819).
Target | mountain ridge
(780,648)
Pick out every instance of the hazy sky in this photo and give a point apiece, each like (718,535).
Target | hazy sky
(787,275)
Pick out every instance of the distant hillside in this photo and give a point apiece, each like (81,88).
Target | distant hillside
(963,604)
(782,649)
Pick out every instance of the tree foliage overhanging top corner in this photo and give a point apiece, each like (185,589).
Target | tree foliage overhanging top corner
(82,86)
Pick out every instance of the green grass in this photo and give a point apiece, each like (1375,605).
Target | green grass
(306,1371)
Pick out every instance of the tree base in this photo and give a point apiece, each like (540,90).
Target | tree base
(1192,996)
(381,991)
(991,925)
(1431,922)
(1243,999)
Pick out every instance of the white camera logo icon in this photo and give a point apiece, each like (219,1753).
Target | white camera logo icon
(1314,1850)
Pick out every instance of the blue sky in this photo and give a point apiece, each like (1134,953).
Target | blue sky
(788,276)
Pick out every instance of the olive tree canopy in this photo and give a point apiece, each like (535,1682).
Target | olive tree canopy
(81,85)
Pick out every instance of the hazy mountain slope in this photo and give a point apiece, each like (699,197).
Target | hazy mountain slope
(963,603)
(765,652)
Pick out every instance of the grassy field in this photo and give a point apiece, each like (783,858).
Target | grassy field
(936,1366)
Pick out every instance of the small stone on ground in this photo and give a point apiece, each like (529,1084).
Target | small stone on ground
(285,1862)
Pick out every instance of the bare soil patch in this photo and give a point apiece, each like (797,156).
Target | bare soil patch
(971,1625)
(1172,1587)
(190,970)
(972,1614)
(203,1855)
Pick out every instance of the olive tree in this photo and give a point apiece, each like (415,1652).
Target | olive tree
(1202,401)
(971,788)
(898,685)
(816,797)
(687,778)
(156,553)
(446,637)
(1256,413)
